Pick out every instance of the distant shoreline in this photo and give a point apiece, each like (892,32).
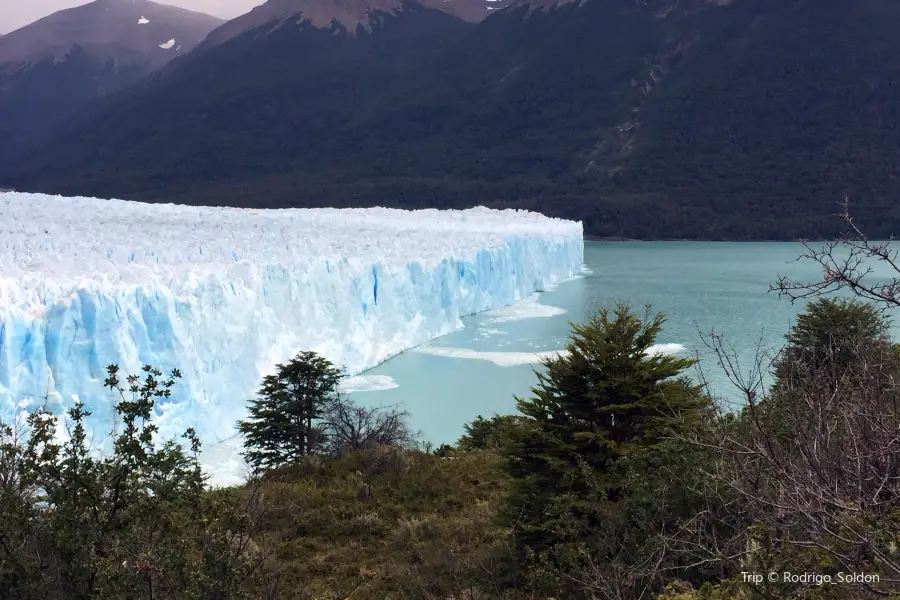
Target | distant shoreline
(597,238)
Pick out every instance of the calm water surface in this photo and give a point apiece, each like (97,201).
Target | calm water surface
(699,286)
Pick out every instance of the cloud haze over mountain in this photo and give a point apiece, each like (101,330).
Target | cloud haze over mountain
(18,14)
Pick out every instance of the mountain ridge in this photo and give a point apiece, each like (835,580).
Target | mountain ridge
(111,29)
(348,13)
(666,119)
(50,70)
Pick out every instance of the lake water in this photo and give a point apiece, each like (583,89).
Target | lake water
(699,286)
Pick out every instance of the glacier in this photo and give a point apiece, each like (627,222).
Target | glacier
(224,294)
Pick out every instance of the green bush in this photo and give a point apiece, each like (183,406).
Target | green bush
(135,522)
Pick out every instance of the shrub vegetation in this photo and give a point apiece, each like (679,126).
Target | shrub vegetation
(618,478)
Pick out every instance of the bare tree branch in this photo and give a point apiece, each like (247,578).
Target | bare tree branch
(849,262)
(348,427)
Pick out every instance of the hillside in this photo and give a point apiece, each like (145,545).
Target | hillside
(747,119)
(381,524)
(52,68)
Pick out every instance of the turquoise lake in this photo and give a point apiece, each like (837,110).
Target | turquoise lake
(699,286)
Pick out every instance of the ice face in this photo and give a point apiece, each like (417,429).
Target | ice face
(224,294)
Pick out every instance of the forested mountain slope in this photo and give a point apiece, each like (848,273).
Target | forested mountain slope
(655,119)
(53,68)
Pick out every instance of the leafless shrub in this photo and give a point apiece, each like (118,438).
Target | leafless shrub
(348,427)
(848,263)
(817,459)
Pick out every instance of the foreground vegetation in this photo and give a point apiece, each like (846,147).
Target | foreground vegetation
(618,478)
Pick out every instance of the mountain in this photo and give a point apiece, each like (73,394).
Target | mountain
(741,119)
(349,13)
(124,31)
(53,67)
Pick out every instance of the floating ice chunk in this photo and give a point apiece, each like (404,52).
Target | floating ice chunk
(527,308)
(368,383)
(484,332)
(665,349)
(168,44)
(143,20)
(511,359)
(501,359)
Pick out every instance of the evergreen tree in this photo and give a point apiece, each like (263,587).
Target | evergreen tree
(487,434)
(830,329)
(833,336)
(609,396)
(281,428)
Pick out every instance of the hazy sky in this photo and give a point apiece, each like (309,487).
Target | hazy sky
(17,13)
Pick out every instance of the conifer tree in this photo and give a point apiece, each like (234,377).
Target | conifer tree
(830,329)
(282,426)
(829,345)
(609,396)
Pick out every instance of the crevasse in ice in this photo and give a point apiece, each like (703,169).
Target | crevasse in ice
(223,293)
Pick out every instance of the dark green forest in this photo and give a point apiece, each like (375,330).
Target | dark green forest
(649,120)
(38,101)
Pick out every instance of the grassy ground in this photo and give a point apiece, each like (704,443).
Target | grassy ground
(386,524)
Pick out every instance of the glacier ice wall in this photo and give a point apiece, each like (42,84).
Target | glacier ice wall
(223,294)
